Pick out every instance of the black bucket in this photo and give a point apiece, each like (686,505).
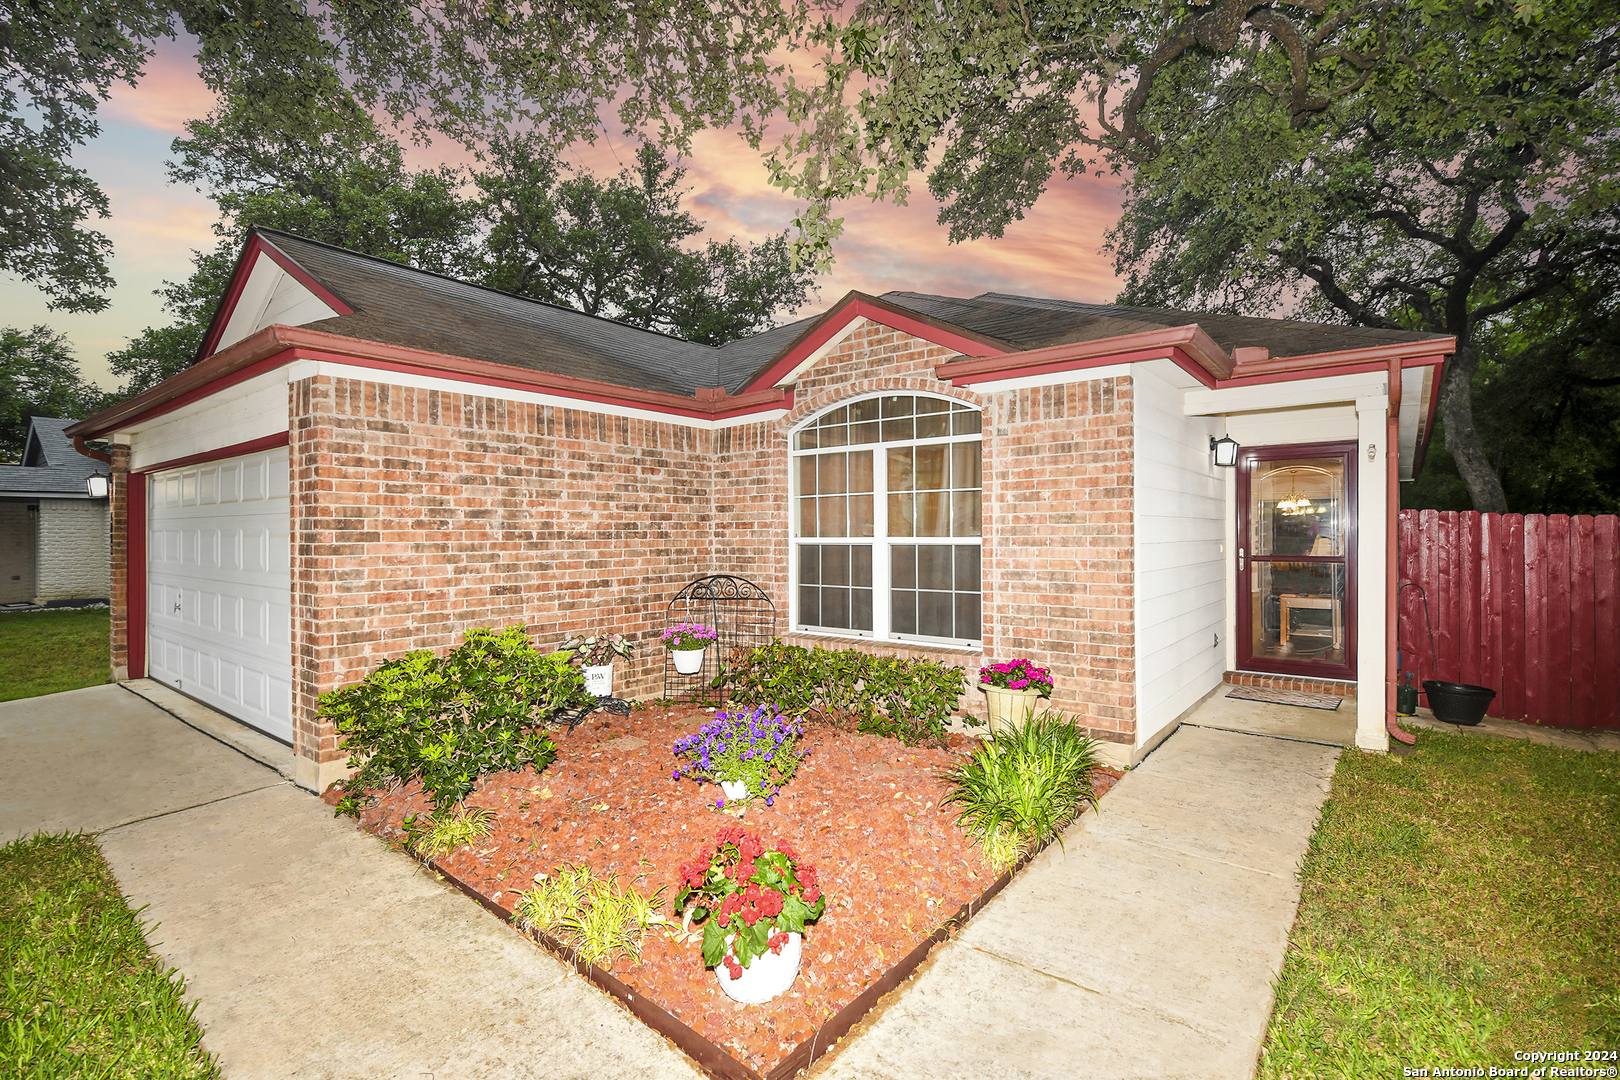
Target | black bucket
(1458,703)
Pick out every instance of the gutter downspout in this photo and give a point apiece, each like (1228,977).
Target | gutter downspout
(1392,516)
(78,444)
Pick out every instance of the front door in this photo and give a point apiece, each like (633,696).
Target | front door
(1296,560)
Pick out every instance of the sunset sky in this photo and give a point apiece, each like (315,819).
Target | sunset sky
(155,225)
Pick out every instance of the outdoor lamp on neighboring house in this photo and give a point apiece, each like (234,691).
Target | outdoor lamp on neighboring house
(1226,449)
(96,486)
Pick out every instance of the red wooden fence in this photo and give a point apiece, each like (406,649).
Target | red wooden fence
(1526,604)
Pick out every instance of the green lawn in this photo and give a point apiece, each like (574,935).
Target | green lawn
(44,652)
(82,995)
(1458,905)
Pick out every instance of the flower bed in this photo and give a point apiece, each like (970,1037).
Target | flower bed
(865,810)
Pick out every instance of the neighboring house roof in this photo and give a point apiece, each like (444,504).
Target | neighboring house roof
(50,467)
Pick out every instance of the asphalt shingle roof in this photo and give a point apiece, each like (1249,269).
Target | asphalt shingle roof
(51,467)
(399,305)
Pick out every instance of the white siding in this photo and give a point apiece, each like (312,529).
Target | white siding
(1180,511)
(1284,427)
(72,550)
(252,409)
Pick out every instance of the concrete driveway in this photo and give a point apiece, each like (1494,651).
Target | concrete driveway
(311,949)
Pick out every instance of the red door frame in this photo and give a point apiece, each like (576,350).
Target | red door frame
(1247,458)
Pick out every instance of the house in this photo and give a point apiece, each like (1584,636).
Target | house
(53,531)
(368,459)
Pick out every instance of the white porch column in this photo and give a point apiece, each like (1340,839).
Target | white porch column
(1372,561)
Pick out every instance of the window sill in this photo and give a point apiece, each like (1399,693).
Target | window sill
(972,653)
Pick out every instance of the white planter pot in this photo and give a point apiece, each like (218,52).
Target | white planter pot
(599,680)
(736,790)
(688,661)
(1009,708)
(769,975)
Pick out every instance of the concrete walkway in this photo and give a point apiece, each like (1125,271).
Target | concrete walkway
(1146,948)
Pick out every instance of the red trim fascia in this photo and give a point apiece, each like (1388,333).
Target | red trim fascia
(275,346)
(857,305)
(135,572)
(303,277)
(1410,353)
(207,376)
(475,373)
(252,446)
(1359,367)
(256,246)
(1195,347)
(1175,355)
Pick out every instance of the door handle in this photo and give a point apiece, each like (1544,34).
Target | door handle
(1240,559)
(177,607)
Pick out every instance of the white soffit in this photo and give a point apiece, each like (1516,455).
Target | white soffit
(271,296)
(1417,384)
(1293,393)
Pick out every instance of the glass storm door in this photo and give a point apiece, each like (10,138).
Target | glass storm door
(1296,560)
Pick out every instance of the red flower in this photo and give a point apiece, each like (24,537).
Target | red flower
(811,894)
(807,876)
(733,968)
(730,906)
(787,849)
(776,942)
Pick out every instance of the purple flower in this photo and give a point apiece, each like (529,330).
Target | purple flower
(770,800)
(720,804)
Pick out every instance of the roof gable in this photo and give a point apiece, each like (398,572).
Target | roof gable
(268,288)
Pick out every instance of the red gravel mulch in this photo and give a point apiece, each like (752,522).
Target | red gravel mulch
(864,810)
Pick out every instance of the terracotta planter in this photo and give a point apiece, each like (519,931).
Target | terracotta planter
(688,661)
(768,975)
(599,680)
(1009,708)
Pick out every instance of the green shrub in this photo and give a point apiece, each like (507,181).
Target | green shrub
(442,833)
(447,721)
(911,700)
(1024,785)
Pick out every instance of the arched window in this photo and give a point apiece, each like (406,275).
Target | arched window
(886,520)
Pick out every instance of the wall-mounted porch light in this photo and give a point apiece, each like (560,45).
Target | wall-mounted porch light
(1225,449)
(96,486)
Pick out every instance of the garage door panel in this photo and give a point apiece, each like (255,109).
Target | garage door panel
(219,575)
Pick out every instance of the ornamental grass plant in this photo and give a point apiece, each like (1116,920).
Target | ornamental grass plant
(595,917)
(1024,785)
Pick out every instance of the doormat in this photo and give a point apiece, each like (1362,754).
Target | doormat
(1285,697)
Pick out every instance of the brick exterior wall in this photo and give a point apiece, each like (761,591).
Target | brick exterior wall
(1332,687)
(72,552)
(1058,472)
(418,513)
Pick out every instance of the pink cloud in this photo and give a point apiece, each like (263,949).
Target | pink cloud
(170,93)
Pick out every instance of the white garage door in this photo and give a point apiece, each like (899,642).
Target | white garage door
(219,614)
